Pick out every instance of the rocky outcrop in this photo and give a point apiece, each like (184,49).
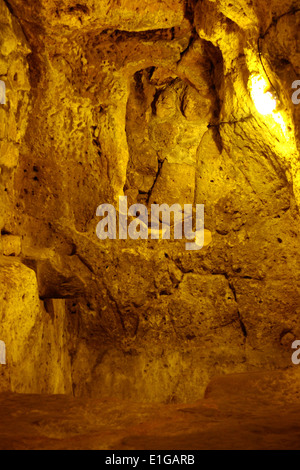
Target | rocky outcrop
(154,102)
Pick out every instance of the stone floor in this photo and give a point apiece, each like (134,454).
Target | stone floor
(251,411)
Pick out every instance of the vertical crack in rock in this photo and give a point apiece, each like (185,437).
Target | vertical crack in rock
(160,165)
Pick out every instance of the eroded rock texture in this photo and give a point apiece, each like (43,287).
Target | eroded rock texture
(148,99)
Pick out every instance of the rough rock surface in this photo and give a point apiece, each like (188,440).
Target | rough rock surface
(34,334)
(148,99)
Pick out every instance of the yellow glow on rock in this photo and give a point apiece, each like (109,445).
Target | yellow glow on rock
(264,101)
(266,105)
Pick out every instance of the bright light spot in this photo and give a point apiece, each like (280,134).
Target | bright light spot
(264,100)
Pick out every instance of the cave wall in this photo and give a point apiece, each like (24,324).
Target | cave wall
(149,100)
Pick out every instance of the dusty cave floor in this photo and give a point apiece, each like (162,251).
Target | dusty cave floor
(249,411)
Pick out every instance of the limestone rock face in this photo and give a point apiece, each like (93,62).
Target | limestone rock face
(151,100)
(37,356)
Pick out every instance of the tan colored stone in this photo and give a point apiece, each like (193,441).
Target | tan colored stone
(11,245)
(3,66)
(9,154)
(35,356)
(8,41)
